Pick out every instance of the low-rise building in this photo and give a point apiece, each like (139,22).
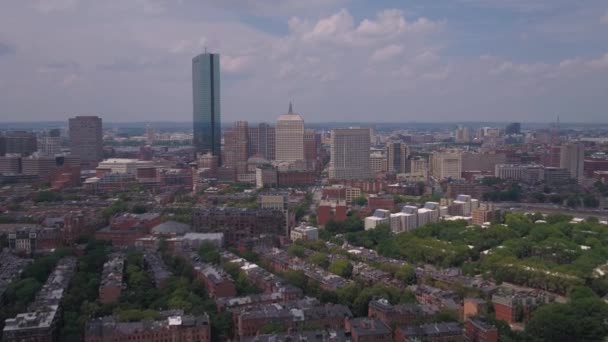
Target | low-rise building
(111,285)
(391,315)
(477,329)
(306,233)
(173,326)
(434,332)
(365,329)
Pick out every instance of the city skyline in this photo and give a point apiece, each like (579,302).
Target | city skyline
(340,60)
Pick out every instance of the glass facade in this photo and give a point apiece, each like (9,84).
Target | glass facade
(206,103)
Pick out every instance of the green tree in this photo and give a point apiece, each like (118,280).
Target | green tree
(319,259)
(361,200)
(341,267)
(579,320)
(296,251)
(406,274)
(209,253)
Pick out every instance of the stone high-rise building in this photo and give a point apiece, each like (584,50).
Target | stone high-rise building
(446,164)
(350,149)
(236,150)
(311,145)
(572,158)
(290,137)
(206,104)
(86,138)
(50,143)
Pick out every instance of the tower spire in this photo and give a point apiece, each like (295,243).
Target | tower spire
(290,108)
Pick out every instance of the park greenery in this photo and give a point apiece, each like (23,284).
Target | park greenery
(555,255)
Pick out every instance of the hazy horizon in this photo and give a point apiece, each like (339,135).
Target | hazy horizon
(338,60)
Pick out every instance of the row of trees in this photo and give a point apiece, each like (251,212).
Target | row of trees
(79,302)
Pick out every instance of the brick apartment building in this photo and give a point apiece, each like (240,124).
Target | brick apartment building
(478,330)
(111,285)
(434,332)
(174,326)
(239,224)
(365,329)
(331,210)
(125,229)
(391,315)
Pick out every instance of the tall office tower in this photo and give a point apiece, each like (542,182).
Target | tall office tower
(18,142)
(310,148)
(49,144)
(446,164)
(290,137)
(350,154)
(513,128)
(236,149)
(397,154)
(572,158)
(262,140)
(462,135)
(86,138)
(150,135)
(206,104)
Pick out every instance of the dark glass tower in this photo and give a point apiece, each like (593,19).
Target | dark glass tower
(206,103)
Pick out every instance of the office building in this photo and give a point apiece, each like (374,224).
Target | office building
(311,147)
(290,137)
(206,104)
(10,165)
(49,144)
(349,154)
(18,142)
(86,138)
(446,165)
(377,162)
(572,159)
(262,141)
(397,157)
(38,166)
(236,147)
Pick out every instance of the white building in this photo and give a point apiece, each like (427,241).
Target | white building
(381,216)
(446,164)
(306,233)
(124,165)
(289,137)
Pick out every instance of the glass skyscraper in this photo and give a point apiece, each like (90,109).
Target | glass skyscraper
(206,103)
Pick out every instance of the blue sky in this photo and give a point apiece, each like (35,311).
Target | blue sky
(338,60)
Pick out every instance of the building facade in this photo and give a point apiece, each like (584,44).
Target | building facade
(206,104)
(290,137)
(350,154)
(86,138)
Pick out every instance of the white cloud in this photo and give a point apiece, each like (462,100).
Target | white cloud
(387,53)
(236,64)
(335,65)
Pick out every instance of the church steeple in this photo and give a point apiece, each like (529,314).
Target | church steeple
(290,108)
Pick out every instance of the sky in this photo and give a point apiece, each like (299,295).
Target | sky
(337,60)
